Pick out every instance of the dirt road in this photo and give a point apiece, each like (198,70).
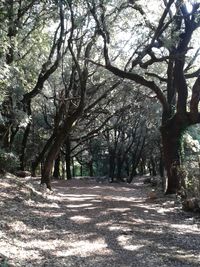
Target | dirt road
(90,224)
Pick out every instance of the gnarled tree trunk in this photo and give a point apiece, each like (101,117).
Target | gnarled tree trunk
(111,164)
(51,156)
(171,140)
(41,155)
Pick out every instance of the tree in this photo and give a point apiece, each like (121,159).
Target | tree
(25,42)
(55,80)
(167,45)
(73,96)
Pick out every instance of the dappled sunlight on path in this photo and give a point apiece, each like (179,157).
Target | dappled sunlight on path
(84,223)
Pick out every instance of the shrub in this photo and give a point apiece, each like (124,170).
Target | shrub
(8,161)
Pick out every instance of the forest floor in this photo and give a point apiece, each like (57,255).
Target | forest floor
(92,224)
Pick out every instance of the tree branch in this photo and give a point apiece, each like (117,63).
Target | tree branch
(142,81)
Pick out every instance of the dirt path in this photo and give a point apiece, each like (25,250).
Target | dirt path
(85,223)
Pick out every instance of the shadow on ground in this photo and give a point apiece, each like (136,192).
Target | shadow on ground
(89,224)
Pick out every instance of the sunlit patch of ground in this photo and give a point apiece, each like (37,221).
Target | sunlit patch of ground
(83,223)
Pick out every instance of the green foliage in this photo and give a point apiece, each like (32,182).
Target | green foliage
(132,110)
(8,160)
(191,142)
(191,162)
(4,263)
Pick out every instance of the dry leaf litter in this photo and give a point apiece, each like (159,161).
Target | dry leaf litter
(87,223)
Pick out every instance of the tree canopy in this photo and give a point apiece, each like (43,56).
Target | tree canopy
(98,87)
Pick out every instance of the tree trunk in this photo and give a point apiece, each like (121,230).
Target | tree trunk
(133,173)
(153,165)
(27,108)
(81,170)
(111,164)
(24,145)
(41,166)
(127,166)
(136,159)
(63,168)
(91,170)
(142,166)
(13,134)
(68,158)
(119,167)
(51,156)
(40,157)
(6,137)
(56,171)
(73,168)
(171,141)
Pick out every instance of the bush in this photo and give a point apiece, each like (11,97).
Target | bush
(191,162)
(8,161)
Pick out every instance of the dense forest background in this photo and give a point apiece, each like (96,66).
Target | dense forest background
(101,88)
